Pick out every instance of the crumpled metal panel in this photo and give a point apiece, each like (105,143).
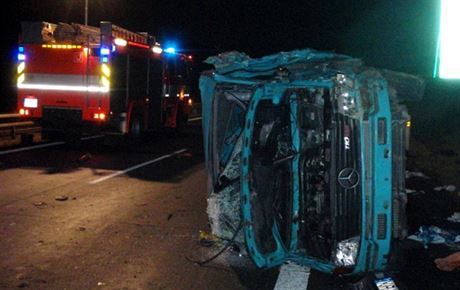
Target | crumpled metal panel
(224,205)
(230,63)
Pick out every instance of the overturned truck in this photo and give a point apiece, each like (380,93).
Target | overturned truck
(305,157)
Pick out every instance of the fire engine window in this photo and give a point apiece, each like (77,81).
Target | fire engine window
(137,77)
(118,83)
(155,78)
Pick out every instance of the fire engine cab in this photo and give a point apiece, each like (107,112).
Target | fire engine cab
(71,75)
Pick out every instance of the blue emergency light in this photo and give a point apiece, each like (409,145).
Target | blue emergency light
(105,51)
(170,50)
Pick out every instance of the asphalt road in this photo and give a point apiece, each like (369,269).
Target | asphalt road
(129,217)
(132,215)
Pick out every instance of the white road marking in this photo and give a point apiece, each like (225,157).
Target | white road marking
(121,172)
(195,119)
(292,277)
(45,145)
(92,137)
(31,147)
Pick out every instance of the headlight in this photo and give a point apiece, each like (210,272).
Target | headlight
(345,95)
(347,252)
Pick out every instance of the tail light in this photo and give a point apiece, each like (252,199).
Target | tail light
(99,116)
(24,112)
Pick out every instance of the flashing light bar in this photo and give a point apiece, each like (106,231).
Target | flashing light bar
(61,46)
(105,59)
(21,49)
(90,89)
(120,42)
(21,57)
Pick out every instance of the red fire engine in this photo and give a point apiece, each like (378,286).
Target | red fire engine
(70,75)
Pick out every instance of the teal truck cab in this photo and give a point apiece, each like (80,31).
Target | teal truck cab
(305,157)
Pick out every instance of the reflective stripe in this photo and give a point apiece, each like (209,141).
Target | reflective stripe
(62,79)
(92,89)
(58,82)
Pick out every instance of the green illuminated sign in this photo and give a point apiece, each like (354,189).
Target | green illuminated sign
(447,64)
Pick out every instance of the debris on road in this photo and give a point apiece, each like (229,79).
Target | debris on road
(450,188)
(169,216)
(85,157)
(435,235)
(206,239)
(410,174)
(454,218)
(81,229)
(40,204)
(100,283)
(61,198)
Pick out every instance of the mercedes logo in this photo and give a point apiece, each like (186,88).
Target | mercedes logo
(348,178)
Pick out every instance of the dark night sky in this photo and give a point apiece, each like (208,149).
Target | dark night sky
(397,34)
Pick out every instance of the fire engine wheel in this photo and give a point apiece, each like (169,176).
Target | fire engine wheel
(135,128)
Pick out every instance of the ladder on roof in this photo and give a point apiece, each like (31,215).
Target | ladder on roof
(82,33)
(119,32)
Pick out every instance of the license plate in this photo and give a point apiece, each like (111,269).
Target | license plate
(385,284)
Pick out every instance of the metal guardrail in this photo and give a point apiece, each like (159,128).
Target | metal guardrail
(8,116)
(17,124)
(13,131)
